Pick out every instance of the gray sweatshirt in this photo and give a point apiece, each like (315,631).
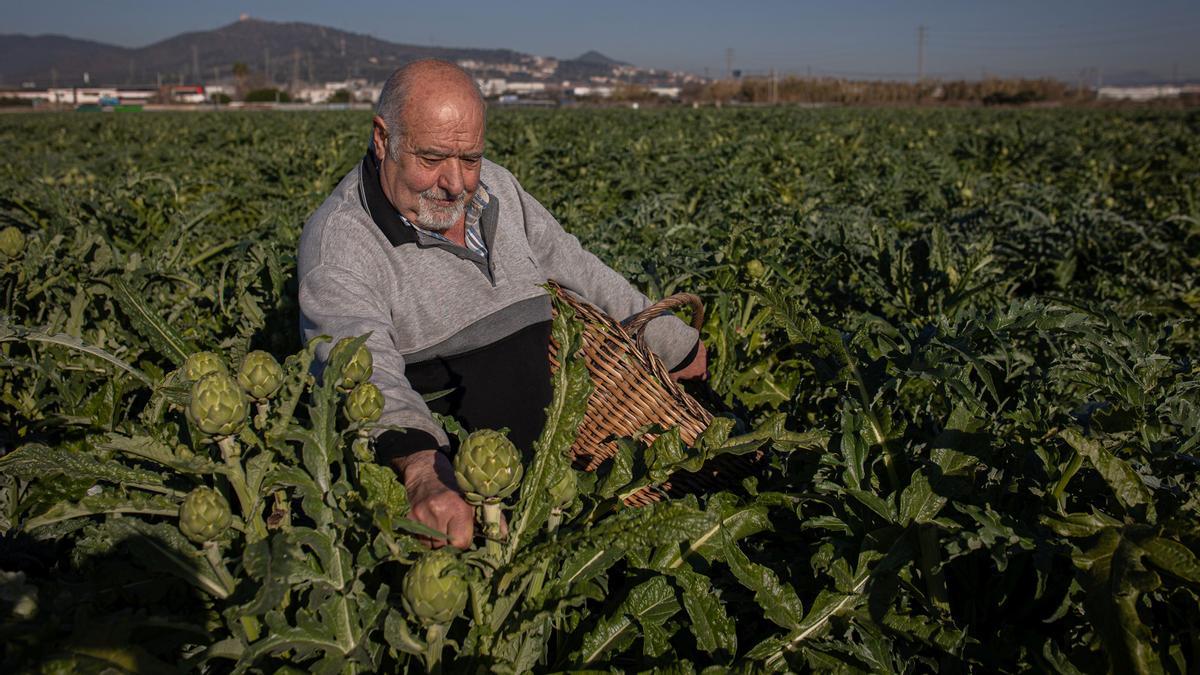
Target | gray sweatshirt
(421,299)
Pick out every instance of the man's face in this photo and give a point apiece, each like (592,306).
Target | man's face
(431,172)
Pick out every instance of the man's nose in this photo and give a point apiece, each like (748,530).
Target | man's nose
(451,177)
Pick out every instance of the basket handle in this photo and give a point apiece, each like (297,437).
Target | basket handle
(637,323)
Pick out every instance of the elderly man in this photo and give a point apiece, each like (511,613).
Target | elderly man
(439,255)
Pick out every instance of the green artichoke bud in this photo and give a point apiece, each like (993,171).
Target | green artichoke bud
(563,491)
(12,242)
(204,515)
(218,406)
(434,589)
(358,368)
(755,269)
(260,375)
(202,363)
(364,404)
(488,466)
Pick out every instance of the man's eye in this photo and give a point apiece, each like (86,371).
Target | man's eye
(471,160)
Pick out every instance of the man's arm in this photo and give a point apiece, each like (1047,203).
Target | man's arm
(335,301)
(564,260)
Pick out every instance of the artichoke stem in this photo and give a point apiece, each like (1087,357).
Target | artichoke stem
(213,555)
(362,447)
(435,640)
(491,530)
(229,448)
(237,480)
(264,409)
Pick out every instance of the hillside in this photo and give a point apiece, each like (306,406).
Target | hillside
(280,52)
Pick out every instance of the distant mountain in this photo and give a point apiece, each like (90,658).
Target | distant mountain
(275,52)
(597,58)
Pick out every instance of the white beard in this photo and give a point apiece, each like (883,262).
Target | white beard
(435,218)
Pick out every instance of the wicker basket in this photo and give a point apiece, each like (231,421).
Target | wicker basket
(632,389)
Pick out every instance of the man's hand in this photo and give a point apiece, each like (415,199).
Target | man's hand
(434,499)
(697,369)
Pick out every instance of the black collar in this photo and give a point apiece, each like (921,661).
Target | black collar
(378,205)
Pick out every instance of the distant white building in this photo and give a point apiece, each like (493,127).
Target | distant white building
(525,88)
(1140,93)
(494,86)
(666,92)
(359,89)
(598,92)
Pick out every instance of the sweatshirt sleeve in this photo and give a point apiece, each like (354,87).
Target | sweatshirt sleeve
(566,262)
(337,302)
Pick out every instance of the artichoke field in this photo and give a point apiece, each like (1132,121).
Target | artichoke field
(966,340)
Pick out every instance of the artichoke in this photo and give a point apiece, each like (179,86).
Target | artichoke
(204,515)
(358,368)
(488,466)
(260,375)
(364,404)
(434,588)
(12,242)
(563,491)
(218,406)
(202,363)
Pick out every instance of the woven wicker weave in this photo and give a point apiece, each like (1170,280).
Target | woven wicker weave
(632,389)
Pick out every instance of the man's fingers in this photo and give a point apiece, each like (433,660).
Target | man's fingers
(461,529)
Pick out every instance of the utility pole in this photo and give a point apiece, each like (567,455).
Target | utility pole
(296,69)
(728,62)
(267,65)
(920,54)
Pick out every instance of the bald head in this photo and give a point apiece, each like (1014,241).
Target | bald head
(420,88)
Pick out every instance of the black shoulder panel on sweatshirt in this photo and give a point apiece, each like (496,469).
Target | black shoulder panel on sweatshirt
(503,384)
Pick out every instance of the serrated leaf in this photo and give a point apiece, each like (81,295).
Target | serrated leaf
(151,449)
(383,488)
(731,521)
(778,600)
(1121,478)
(568,405)
(11,333)
(134,502)
(854,449)
(587,564)
(36,461)
(1110,579)
(714,630)
(395,631)
(161,337)
(650,603)
(918,502)
(1172,556)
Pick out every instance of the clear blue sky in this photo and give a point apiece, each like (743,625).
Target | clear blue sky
(855,38)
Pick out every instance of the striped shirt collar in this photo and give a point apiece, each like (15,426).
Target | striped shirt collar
(473,234)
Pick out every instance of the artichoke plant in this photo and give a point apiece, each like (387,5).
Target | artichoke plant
(434,588)
(488,466)
(563,491)
(12,242)
(358,368)
(202,363)
(218,406)
(260,375)
(364,404)
(204,515)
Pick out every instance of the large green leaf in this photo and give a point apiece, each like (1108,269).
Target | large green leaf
(158,333)
(647,607)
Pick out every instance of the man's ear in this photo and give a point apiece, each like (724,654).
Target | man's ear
(379,135)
